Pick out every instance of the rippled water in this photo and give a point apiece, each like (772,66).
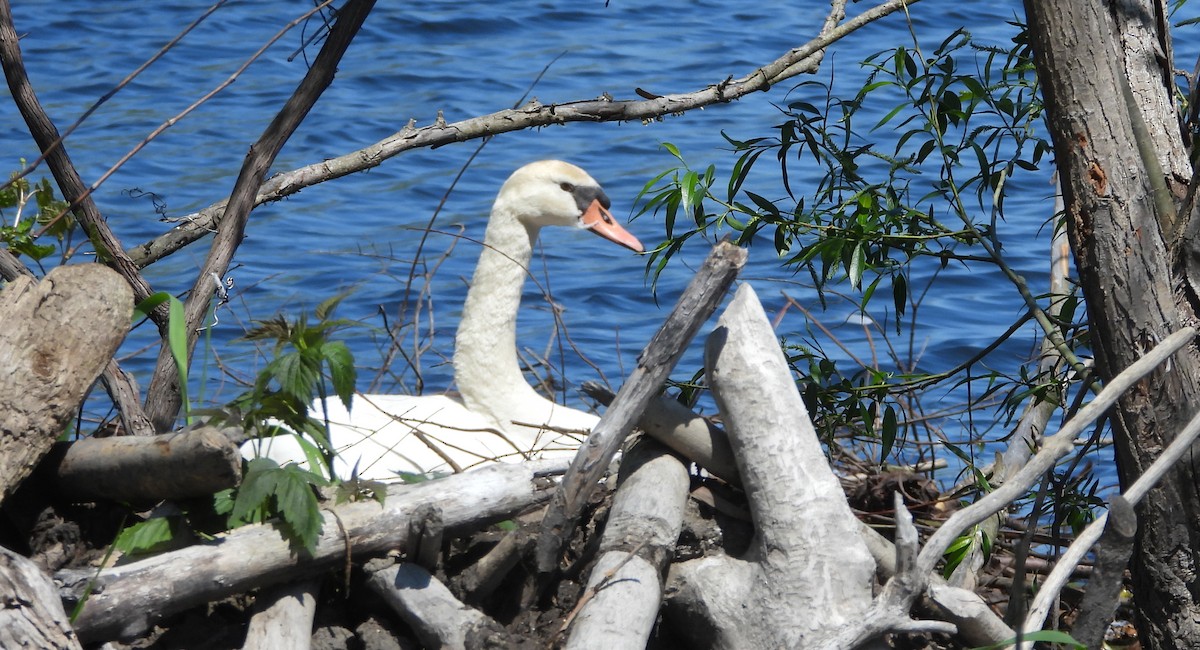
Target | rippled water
(417,58)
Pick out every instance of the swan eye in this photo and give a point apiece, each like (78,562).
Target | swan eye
(567,187)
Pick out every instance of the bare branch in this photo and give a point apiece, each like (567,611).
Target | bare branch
(604,109)
(163,395)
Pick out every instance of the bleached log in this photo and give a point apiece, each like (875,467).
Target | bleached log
(654,365)
(897,599)
(682,430)
(807,572)
(625,588)
(58,336)
(126,600)
(283,617)
(437,618)
(140,469)
(32,615)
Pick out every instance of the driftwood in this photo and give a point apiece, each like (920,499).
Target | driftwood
(146,469)
(1108,575)
(126,600)
(437,618)
(890,610)
(621,602)
(698,301)
(32,615)
(58,335)
(682,430)
(808,572)
(283,617)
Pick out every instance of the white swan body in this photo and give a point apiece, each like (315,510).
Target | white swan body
(500,417)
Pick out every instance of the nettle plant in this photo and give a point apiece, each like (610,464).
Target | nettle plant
(862,212)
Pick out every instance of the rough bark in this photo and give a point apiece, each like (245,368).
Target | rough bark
(58,335)
(808,572)
(125,600)
(31,615)
(1122,240)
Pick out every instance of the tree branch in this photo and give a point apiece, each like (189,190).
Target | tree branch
(533,114)
(163,395)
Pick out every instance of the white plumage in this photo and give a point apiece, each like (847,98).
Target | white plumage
(499,417)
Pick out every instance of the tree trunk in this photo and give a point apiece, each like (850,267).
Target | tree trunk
(1111,164)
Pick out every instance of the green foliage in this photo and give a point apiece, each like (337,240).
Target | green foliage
(961,547)
(861,206)
(176,338)
(21,231)
(285,494)
(150,536)
(305,364)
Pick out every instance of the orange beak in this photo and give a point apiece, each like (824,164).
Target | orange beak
(599,220)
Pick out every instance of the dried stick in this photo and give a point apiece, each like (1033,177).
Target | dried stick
(698,301)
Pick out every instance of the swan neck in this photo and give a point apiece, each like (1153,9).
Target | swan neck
(486,369)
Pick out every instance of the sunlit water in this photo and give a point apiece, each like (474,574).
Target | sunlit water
(415,59)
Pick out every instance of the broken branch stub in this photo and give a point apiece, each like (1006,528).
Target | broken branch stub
(58,336)
(807,572)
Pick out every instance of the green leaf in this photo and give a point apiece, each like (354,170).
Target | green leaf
(146,536)
(177,339)
(899,293)
(344,376)
(888,436)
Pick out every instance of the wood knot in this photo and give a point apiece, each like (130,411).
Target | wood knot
(1098,178)
(45,363)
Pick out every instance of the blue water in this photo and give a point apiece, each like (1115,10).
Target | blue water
(417,58)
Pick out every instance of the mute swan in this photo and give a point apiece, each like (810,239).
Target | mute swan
(499,417)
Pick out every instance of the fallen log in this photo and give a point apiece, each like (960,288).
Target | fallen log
(58,336)
(807,572)
(147,469)
(437,618)
(283,617)
(625,588)
(126,600)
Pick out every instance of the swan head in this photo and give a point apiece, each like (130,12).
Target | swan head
(556,193)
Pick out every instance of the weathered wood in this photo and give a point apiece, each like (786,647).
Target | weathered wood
(31,615)
(682,430)
(146,469)
(699,300)
(128,599)
(57,337)
(625,587)
(1108,574)
(437,618)
(283,617)
(895,600)
(808,572)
